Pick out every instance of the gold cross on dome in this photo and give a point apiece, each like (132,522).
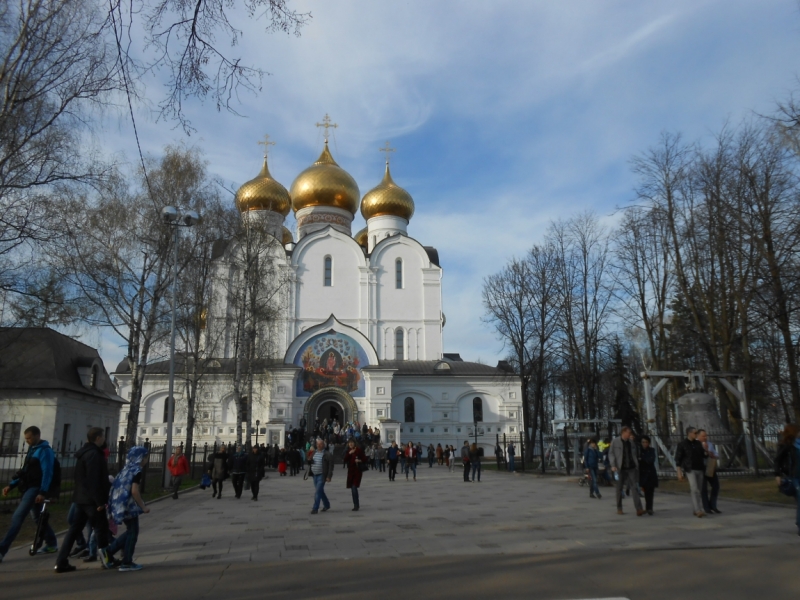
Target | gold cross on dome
(326,123)
(266,143)
(387,149)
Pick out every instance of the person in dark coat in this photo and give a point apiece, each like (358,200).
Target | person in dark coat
(91,495)
(353,459)
(648,475)
(591,464)
(238,469)
(218,470)
(787,463)
(255,467)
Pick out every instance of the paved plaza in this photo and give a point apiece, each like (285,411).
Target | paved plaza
(481,528)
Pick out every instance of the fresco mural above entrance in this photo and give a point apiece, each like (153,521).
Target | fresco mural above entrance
(331,359)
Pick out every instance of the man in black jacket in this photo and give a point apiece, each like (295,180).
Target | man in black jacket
(690,461)
(90,496)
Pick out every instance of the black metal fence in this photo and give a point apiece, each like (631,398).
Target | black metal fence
(562,452)
(11,462)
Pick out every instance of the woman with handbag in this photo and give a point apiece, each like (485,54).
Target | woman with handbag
(356,462)
(787,466)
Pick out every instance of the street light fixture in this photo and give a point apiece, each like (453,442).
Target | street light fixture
(173,218)
(257,424)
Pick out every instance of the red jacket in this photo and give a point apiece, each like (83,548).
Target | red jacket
(182,468)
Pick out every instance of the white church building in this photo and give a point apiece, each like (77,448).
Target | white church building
(361,328)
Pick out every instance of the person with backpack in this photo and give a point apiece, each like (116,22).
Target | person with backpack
(125,505)
(91,495)
(35,482)
(178,467)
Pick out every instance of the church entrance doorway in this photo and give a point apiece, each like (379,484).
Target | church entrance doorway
(330,403)
(330,410)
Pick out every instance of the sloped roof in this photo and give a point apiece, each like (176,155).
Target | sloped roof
(37,358)
(209,366)
(428,367)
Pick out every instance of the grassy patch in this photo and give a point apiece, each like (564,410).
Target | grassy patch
(757,489)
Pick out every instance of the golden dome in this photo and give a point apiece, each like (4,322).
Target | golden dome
(287,236)
(325,184)
(263,193)
(387,198)
(361,237)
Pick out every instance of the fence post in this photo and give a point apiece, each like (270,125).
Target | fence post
(205,458)
(121,453)
(194,458)
(566,449)
(522,450)
(146,465)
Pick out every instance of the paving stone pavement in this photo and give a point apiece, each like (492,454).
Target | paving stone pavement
(438,515)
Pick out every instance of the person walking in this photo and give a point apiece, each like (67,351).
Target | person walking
(411,455)
(465,459)
(178,467)
(475,453)
(255,468)
(91,495)
(625,466)
(710,477)
(648,475)
(591,463)
(690,461)
(451,453)
(321,468)
(439,455)
(431,455)
(787,464)
(125,505)
(218,470)
(498,455)
(353,459)
(393,455)
(512,452)
(33,482)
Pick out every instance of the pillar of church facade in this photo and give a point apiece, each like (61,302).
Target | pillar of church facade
(383,226)
(314,218)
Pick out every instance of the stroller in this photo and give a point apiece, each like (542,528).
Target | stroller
(41,526)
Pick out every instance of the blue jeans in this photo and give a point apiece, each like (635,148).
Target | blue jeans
(80,540)
(411,466)
(476,468)
(26,505)
(126,541)
(594,489)
(319,492)
(511,463)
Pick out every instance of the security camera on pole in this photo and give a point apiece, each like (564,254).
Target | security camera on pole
(174,219)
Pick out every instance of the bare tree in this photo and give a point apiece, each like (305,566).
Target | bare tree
(119,254)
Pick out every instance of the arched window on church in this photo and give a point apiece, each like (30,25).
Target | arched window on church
(399,345)
(328,271)
(398,273)
(477,410)
(166,410)
(409,412)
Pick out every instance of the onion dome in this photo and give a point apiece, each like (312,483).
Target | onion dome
(263,193)
(287,236)
(325,184)
(361,237)
(387,198)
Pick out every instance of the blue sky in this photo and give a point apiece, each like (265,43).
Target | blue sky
(504,114)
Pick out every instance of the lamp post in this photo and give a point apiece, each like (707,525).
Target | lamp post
(174,219)
(475,430)
(257,424)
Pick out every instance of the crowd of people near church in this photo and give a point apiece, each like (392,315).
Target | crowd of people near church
(102,503)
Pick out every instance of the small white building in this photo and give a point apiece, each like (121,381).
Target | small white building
(57,383)
(360,336)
